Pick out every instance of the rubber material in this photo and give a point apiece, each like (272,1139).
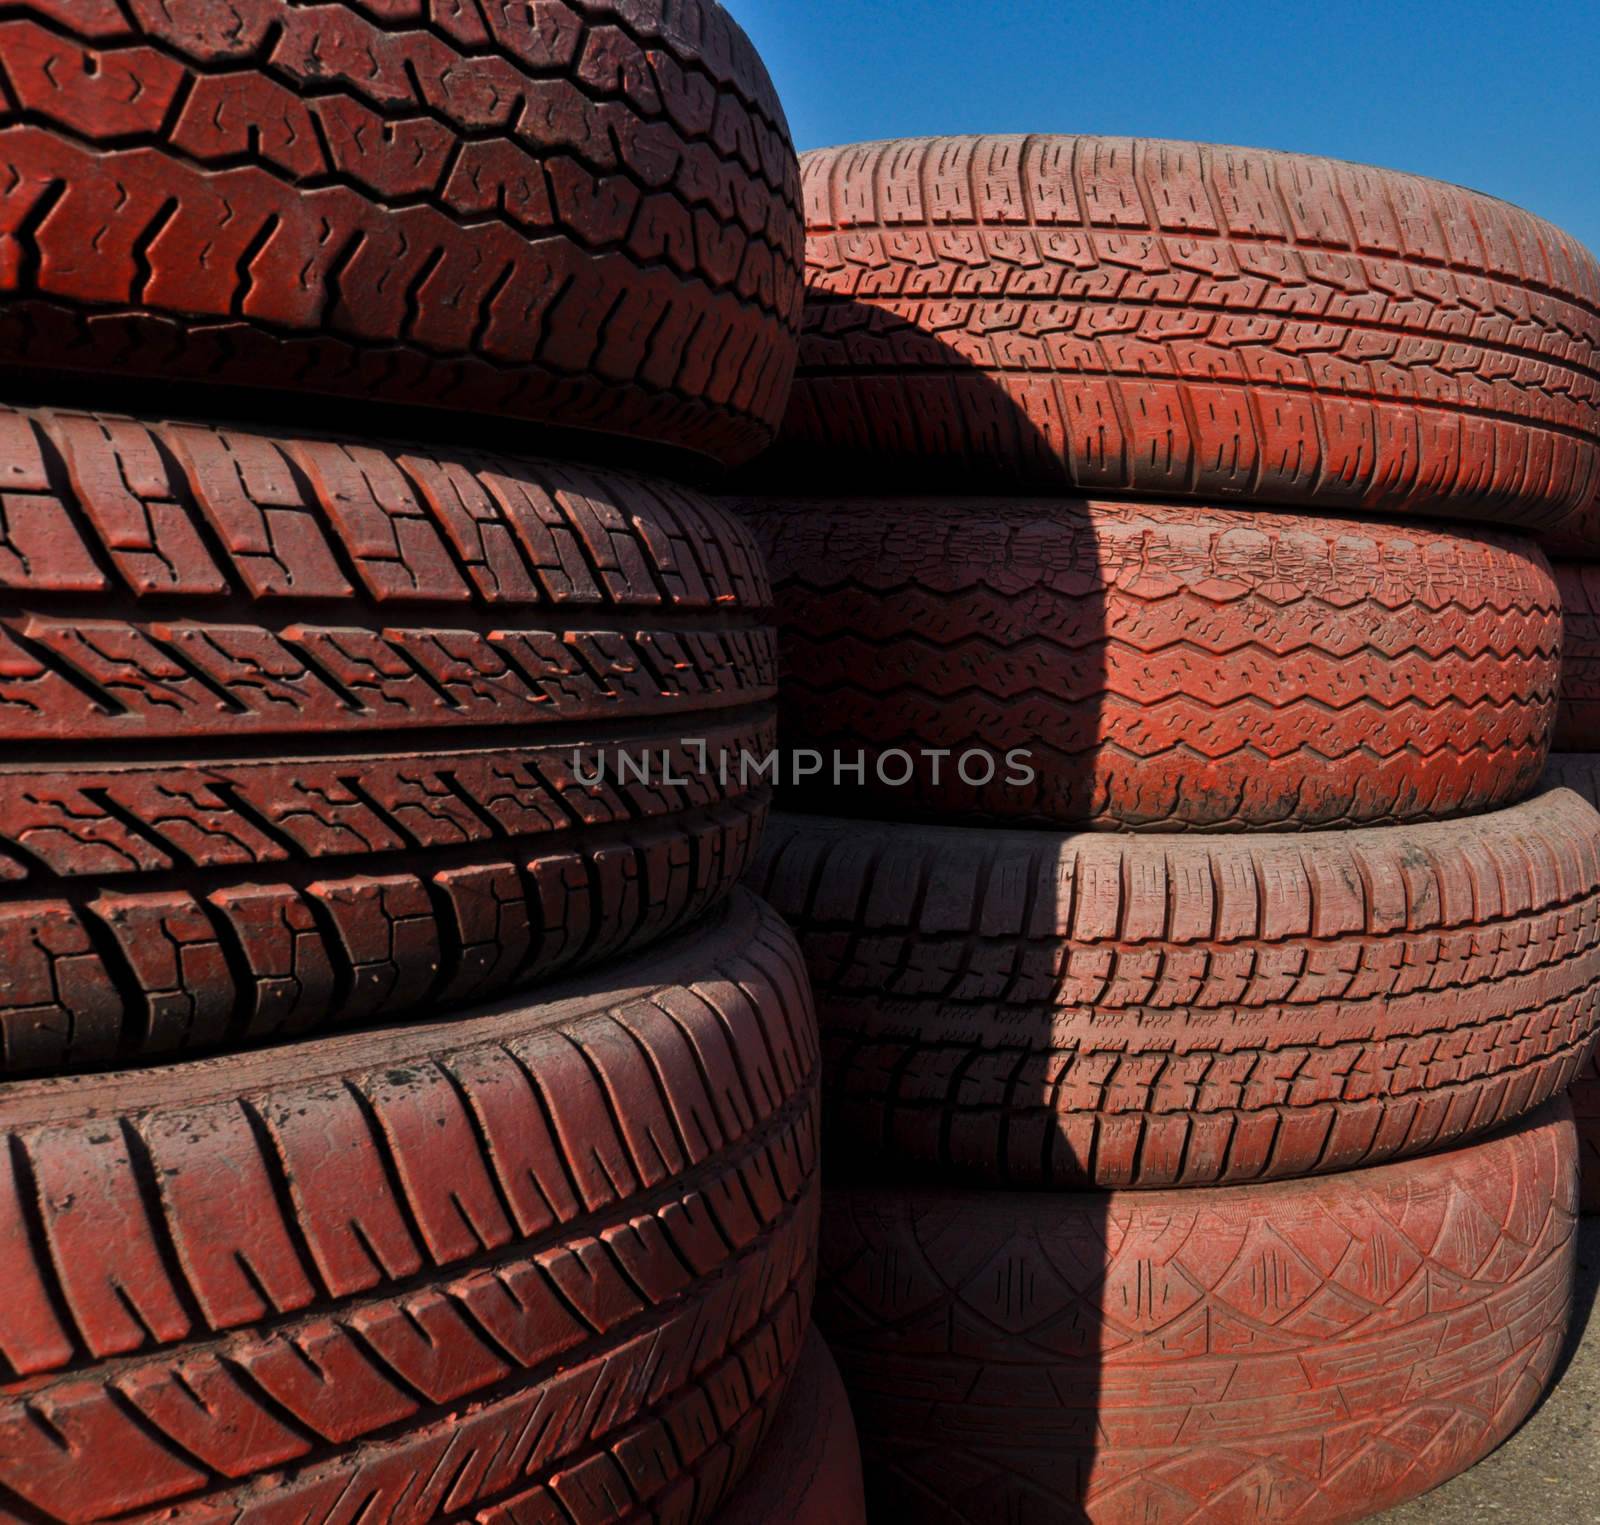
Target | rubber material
(562,1248)
(1037,1009)
(580,213)
(1577,771)
(1581,773)
(297,730)
(1114,314)
(1576,536)
(1309,1351)
(1578,716)
(1586,1108)
(1162,666)
(808,1468)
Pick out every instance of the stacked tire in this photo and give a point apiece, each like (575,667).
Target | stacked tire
(1167,669)
(1575,765)
(404,1117)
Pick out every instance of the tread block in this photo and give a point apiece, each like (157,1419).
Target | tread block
(1122,1011)
(1159,667)
(374,203)
(1072,313)
(322,1293)
(1332,1346)
(351,806)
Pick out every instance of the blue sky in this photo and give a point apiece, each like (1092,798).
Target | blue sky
(1501,97)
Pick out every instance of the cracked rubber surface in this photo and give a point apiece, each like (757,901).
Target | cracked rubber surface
(1302,1351)
(544,1257)
(1578,715)
(1165,667)
(578,213)
(1066,1010)
(293,728)
(1115,314)
(808,1468)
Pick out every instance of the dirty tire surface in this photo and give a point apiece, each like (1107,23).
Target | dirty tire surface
(1113,314)
(1310,1350)
(1581,772)
(1068,1010)
(1578,715)
(574,213)
(300,731)
(550,1259)
(807,1470)
(1163,667)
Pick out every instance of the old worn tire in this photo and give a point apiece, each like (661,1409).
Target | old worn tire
(1042,1009)
(292,728)
(552,1251)
(1577,727)
(1580,772)
(807,1470)
(577,213)
(1115,314)
(1311,1350)
(1162,667)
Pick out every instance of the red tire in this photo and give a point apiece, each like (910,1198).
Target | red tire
(808,1469)
(1310,1350)
(1581,773)
(1577,726)
(1159,667)
(1034,1009)
(540,1258)
(578,213)
(294,728)
(1113,314)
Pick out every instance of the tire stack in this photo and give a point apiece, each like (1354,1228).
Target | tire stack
(404,1120)
(1575,765)
(1194,1058)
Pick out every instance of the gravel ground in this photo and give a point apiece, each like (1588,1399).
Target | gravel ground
(1550,1469)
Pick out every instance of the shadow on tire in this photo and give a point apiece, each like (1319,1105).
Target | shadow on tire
(897,653)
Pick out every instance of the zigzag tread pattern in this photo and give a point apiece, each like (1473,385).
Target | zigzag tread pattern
(1164,667)
(1158,317)
(579,213)
(542,1257)
(1002,1006)
(302,730)
(1316,1350)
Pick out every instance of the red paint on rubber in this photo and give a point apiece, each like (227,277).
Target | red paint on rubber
(1164,667)
(464,1269)
(1122,315)
(1124,1011)
(1307,1350)
(576,213)
(807,1470)
(1580,772)
(291,727)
